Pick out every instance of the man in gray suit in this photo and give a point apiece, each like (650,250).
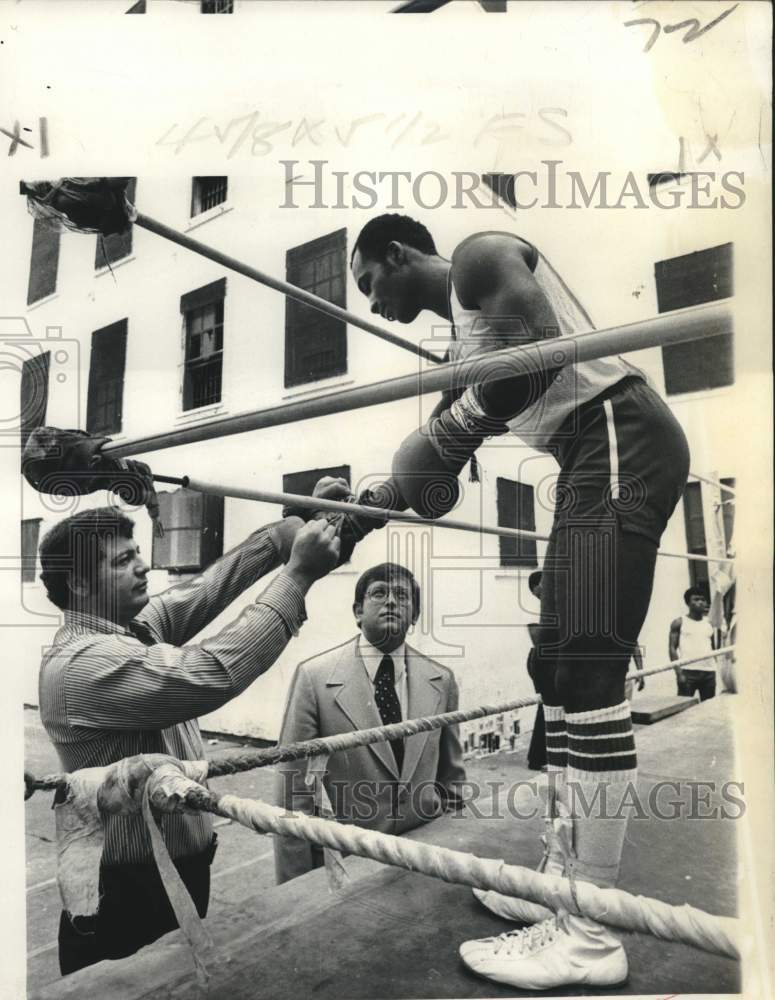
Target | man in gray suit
(372,679)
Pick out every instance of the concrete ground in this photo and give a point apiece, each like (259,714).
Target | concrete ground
(243,858)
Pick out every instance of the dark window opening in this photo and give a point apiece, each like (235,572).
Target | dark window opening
(30,533)
(106,379)
(315,343)
(203,358)
(217,6)
(34,394)
(689,280)
(44,261)
(207,192)
(516,509)
(696,542)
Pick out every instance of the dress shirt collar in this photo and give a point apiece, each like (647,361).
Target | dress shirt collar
(85,622)
(372,656)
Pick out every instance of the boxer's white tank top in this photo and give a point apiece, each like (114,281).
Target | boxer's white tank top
(575,385)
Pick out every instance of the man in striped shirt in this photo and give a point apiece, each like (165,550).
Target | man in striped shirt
(119,680)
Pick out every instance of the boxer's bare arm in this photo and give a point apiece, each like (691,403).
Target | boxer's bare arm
(491,273)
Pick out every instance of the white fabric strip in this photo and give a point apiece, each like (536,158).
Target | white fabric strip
(613,449)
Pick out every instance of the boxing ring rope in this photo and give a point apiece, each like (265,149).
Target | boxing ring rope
(168,789)
(286,288)
(292,291)
(326,745)
(614,907)
(691,323)
(301,295)
(380,513)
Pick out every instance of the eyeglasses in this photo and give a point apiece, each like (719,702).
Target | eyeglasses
(380,591)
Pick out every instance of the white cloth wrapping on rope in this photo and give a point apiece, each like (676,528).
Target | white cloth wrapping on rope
(80,835)
(614,907)
(167,785)
(332,860)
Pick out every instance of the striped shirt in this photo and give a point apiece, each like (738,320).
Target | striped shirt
(105,695)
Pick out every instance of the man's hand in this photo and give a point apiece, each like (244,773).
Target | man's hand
(327,488)
(315,552)
(330,488)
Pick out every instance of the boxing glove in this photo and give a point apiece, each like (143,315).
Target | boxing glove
(427,464)
(522,384)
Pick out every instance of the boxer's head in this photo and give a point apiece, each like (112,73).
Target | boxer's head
(390,266)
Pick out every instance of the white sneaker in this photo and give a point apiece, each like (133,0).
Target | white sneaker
(550,954)
(520,911)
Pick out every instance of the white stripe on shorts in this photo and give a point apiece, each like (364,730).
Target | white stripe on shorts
(613,449)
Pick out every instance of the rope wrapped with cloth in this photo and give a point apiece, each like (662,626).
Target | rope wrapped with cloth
(81,204)
(157,783)
(324,746)
(72,463)
(122,788)
(718,935)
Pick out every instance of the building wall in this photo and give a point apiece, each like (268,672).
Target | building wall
(475,611)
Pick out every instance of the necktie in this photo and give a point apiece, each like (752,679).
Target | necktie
(388,703)
(141,631)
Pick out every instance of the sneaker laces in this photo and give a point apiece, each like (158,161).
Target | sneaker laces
(525,941)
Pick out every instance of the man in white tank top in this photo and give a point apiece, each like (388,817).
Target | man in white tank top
(692,635)
(623,464)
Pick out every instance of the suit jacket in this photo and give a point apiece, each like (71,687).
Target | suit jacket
(332,693)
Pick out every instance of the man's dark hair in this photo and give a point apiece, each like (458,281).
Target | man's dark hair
(375,237)
(74,548)
(387,572)
(534,579)
(695,592)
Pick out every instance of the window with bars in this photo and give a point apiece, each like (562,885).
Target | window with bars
(44,261)
(694,521)
(106,379)
(303,483)
(30,534)
(34,394)
(207,192)
(217,6)
(316,344)
(516,509)
(705,276)
(203,344)
(193,532)
(118,245)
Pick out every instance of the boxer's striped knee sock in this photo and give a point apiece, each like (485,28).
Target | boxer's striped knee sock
(602,767)
(556,739)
